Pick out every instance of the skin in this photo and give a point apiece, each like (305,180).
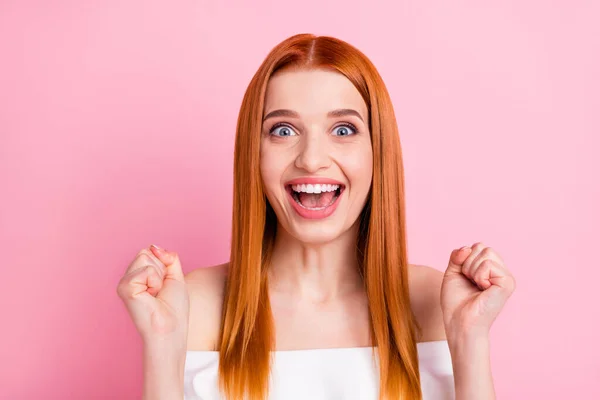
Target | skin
(314,279)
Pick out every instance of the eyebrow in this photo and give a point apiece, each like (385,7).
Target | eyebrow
(342,112)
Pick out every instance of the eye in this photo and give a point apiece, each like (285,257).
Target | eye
(285,130)
(346,129)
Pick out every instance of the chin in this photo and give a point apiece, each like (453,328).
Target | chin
(316,237)
(316,232)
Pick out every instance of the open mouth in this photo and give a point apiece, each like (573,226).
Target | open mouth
(315,197)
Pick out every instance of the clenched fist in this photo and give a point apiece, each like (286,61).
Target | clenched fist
(475,288)
(155,294)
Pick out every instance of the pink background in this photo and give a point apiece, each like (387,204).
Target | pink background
(117,124)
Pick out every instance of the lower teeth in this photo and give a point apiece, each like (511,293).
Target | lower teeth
(312,208)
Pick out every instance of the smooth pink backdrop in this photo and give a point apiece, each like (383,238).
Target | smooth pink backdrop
(117,123)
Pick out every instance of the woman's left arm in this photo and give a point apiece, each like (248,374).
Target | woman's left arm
(475,287)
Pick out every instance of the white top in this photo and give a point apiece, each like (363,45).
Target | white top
(325,374)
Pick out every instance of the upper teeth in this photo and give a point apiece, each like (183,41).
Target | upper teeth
(318,188)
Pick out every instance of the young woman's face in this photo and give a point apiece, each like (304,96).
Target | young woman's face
(316,158)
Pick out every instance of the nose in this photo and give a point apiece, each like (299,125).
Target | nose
(314,153)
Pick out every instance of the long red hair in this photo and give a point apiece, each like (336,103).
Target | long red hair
(247,330)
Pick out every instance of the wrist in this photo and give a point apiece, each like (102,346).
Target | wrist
(469,347)
(171,348)
(463,336)
(471,365)
(165,341)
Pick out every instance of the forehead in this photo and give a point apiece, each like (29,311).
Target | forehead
(312,93)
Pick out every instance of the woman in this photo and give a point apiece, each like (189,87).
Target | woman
(318,299)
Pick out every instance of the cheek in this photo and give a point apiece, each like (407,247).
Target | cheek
(358,167)
(272,165)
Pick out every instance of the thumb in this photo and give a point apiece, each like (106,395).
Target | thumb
(171,261)
(457,258)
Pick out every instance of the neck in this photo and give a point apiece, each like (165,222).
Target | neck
(315,272)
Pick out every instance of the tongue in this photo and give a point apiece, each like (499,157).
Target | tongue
(315,200)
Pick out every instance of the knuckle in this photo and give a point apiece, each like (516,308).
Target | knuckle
(140,254)
(122,282)
(140,262)
(123,292)
(145,257)
(465,271)
(134,271)
(488,251)
(480,277)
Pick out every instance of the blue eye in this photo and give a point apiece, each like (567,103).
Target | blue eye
(285,131)
(347,129)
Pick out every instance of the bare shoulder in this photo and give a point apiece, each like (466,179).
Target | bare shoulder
(206,287)
(425,284)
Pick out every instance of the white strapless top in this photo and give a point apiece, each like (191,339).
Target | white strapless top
(325,374)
